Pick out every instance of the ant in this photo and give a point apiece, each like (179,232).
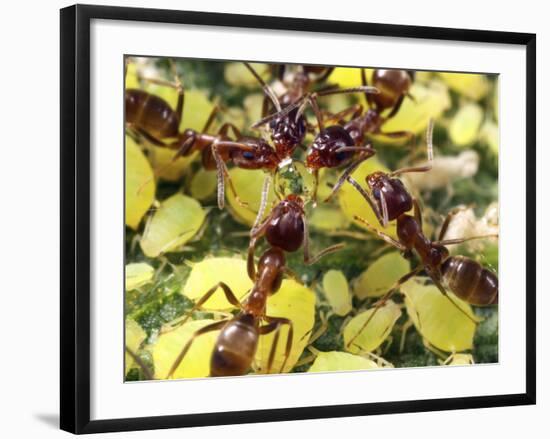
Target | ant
(285,228)
(153,118)
(236,345)
(336,145)
(390,201)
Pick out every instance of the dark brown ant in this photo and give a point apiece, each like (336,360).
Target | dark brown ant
(236,345)
(152,117)
(390,200)
(285,228)
(343,144)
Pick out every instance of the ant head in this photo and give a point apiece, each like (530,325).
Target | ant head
(376,181)
(262,156)
(287,132)
(392,84)
(325,152)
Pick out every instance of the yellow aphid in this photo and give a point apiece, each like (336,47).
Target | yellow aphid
(335,361)
(134,336)
(376,331)
(248,184)
(327,218)
(465,124)
(174,223)
(140,185)
(381,275)
(489,134)
(336,289)
(459,360)
(430,101)
(236,74)
(445,170)
(253,106)
(471,85)
(441,323)
(352,202)
(207,273)
(196,362)
(138,274)
(131,80)
(297,303)
(347,76)
(203,184)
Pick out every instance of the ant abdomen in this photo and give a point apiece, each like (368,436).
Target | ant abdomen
(235,347)
(150,113)
(392,85)
(470,281)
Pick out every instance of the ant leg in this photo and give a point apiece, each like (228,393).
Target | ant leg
(229,295)
(146,371)
(208,328)
(365,83)
(368,198)
(263,201)
(381,302)
(275,324)
(441,288)
(417,212)
(310,260)
(396,107)
(224,130)
(382,235)
(211,118)
(255,234)
(293,275)
(223,173)
(448,220)
(430,152)
(267,89)
(366,153)
(461,240)
(355,110)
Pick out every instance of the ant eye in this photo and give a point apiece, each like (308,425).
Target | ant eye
(340,156)
(248,155)
(376,193)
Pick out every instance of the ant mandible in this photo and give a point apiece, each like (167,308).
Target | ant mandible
(390,200)
(153,118)
(237,343)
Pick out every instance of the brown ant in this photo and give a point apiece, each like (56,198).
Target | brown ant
(153,118)
(236,345)
(337,145)
(285,228)
(390,200)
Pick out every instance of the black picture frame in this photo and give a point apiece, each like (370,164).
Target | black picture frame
(75,217)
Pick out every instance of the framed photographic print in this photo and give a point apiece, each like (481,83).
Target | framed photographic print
(324,209)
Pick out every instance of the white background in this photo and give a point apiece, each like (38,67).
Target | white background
(29,182)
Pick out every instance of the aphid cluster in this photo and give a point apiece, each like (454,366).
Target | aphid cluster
(297,136)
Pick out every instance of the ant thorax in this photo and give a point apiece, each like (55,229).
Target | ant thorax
(396,196)
(324,150)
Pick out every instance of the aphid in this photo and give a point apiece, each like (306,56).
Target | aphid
(465,124)
(138,175)
(356,339)
(445,170)
(336,289)
(337,361)
(390,200)
(441,324)
(175,222)
(138,274)
(134,335)
(237,342)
